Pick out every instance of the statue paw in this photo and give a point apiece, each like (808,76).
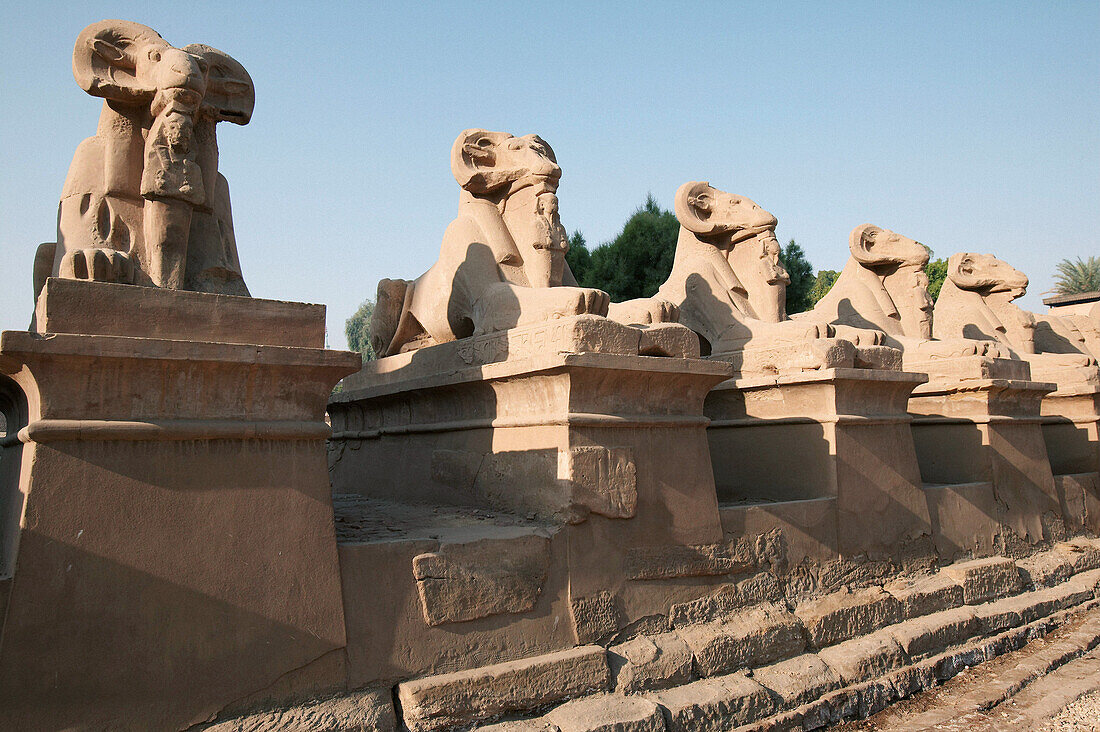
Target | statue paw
(643,311)
(98,265)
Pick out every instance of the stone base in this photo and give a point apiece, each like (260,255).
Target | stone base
(838,433)
(176,550)
(980,446)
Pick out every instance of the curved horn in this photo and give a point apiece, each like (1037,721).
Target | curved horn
(230,93)
(694,202)
(474,160)
(105,59)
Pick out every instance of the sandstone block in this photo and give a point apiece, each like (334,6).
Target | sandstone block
(1087,581)
(664,562)
(1044,569)
(994,617)
(1081,554)
(481,578)
(714,705)
(986,579)
(762,635)
(608,713)
(518,725)
(911,680)
(465,697)
(362,711)
(863,658)
(797,680)
(846,614)
(594,617)
(650,662)
(920,636)
(926,595)
(1031,606)
(759,588)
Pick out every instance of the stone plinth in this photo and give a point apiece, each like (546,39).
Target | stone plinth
(1070,418)
(979,438)
(838,434)
(176,551)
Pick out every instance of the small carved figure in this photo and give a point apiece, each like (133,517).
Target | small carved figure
(502,262)
(884,286)
(727,279)
(977,302)
(143,202)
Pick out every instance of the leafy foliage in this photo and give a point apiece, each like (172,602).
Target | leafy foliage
(936,269)
(801,272)
(357,329)
(1080,276)
(824,282)
(578,257)
(637,261)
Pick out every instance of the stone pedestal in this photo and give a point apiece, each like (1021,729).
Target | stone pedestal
(176,550)
(979,439)
(839,435)
(1070,418)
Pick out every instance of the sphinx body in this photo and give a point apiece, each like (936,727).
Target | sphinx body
(143,202)
(502,261)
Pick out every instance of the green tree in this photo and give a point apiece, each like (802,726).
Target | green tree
(801,272)
(637,261)
(357,329)
(578,257)
(824,282)
(1080,276)
(936,269)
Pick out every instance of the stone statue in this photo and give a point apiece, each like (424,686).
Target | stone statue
(143,202)
(884,286)
(977,302)
(727,280)
(502,262)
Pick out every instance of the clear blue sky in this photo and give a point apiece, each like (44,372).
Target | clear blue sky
(967,126)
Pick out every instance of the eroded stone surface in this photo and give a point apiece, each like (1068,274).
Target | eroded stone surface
(985,579)
(481,578)
(759,636)
(366,711)
(650,662)
(925,594)
(664,562)
(714,705)
(464,697)
(866,657)
(923,635)
(846,614)
(594,617)
(797,680)
(608,713)
(760,588)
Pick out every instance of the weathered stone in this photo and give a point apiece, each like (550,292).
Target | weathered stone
(911,680)
(846,614)
(364,711)
(650,662)
(797,680)
(1031,606)
(465,697)
(518,725)
(1087,581)
(923,635)
(1044,569)
(1081,554)
(994,617)
(481,578)
(761,635)
(608,713)
(926,594)
(863,658)
(594,617)
(714,705)
(759,588)
(650,563)
(605,480)
(985,579)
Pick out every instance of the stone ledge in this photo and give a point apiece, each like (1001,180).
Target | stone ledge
(845,614)
(985,579)
(764,634)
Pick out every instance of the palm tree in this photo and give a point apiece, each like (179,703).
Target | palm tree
(1080,276)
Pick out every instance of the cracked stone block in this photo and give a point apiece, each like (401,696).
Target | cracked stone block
(1031,606)
(923,635)
(797,680)
(604,479)
(1044,569)
(759,588)
(518,725)
(1089,581)
(707,560)
(650,662)
(714,705)
(911,680)
(847,614)
(465,697)
(466,581)
(986,579)
(925,594)
(994,617)
(1081,554)
(608,713)
(363,710)
(762,635)
(594,617)
(863,658)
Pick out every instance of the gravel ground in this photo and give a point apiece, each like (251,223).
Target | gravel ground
(1082,715)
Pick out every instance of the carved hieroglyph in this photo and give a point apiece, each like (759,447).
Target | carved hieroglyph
(502,262)
(977,302)
(884,286)
(731,289)
(143,202)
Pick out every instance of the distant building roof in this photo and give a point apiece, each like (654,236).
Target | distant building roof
(1073,299)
